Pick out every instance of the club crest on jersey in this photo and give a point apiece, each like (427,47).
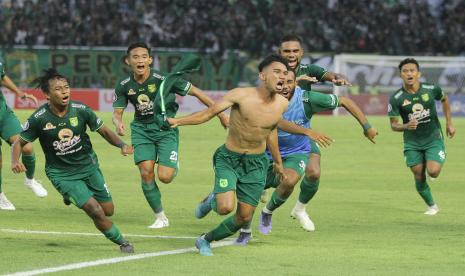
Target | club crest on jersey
(152,88)
(131,92)
(425,97)
(73,121)
(49,126)
(406,102)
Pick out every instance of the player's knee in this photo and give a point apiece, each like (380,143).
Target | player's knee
(94,211)
(288,185)
(27,149)
(312,173)
(147,176)
(109,210)
(165,177)
(224,209)
(434,172)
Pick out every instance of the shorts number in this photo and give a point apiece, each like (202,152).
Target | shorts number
(174,156)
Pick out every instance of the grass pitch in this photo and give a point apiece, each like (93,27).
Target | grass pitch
(369,219)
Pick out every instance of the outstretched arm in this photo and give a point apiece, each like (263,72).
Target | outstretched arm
(321,139)
(450,130)
(199,94)
(201,117)
(8,83)
(369,131)
(114,140)
(117,120)
(336,79)
(16,148)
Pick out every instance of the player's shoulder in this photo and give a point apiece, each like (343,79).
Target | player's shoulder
(78,106)
(429,86)
(123,82)
(397,94)
(40,112)
(157,75)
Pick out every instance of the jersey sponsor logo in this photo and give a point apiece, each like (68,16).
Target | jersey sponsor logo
(25,126)
(406,102)
(66,142)
(62,124)
(123,82)
(145,105)
(73,121)
(427,86)
(223,183)
(76,105)
(141,89)
(158,76)
(425,97)
(49,126)
(419,113)
(151,88)
(40,112)
(131,92)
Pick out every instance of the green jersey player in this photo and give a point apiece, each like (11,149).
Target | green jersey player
(424,149)
(153,143)
(306,74)
(70,162)
(10,128)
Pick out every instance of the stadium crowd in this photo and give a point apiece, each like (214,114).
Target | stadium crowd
(382,26)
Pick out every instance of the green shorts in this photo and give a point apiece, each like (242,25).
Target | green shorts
(9,125)
(152,144)
(296,162)
(434,151)
(315,149)
(244,173)
(79,191)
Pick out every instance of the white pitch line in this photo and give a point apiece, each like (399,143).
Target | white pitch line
(20,231)
(113,260)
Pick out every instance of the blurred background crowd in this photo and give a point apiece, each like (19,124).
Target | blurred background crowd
(421,27)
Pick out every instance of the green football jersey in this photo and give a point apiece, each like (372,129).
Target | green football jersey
(315,102)
(145,96)
(312,71)
(421,106)
(66,145)
(2,75)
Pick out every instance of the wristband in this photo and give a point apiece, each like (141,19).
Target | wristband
(366,126)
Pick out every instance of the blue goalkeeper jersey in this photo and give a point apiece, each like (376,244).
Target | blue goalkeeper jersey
(291,143)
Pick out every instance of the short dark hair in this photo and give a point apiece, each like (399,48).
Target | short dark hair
(290,37)
(138,45)
(270,59)
(407,61)
(48,74)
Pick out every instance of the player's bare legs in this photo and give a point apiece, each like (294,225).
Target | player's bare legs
(95,211)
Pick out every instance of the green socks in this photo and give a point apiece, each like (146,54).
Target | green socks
(275,202)
(226,228)
(308,189)
(114,235)
(425,192)
(29,162)
(153,196)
